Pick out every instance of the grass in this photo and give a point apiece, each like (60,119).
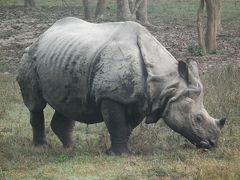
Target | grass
(167,12)
(161,153)
(195,50)
(6,34)
(174,12)
(184,12)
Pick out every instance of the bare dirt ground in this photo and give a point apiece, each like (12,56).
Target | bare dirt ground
(19,27)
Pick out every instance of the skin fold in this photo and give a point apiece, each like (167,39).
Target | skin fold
(116,73)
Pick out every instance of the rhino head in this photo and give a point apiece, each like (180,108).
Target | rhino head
(184,111)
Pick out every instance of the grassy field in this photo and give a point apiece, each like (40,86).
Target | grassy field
(167,11)
(160,153)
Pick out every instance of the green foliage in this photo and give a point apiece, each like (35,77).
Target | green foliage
(9,2)
(63,158)
(195,50)
(6,34)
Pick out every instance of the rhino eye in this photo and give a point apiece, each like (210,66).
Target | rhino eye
(198,118)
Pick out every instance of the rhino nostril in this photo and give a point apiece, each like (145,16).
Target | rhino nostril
(204,144)
(212,142)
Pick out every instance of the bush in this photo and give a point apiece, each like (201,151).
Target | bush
(195,50)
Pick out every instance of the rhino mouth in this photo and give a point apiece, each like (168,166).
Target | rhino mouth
(206,144)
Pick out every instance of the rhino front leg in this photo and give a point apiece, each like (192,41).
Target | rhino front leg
(115,118)
(63,128)
(37,123)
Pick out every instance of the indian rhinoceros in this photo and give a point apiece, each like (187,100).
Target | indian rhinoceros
(116,73)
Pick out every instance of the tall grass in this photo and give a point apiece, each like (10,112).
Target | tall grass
(160,152)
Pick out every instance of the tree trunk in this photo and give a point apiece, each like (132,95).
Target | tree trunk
(219,11)
(87,12)
(100,9)
(131,5)
(141,13)
(212,26)
(29,3)
(200,30)
(123,10)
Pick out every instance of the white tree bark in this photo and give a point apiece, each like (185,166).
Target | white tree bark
(200,30)
(123,10)
(209,43)
(212,25)
(141,13)
(132,10)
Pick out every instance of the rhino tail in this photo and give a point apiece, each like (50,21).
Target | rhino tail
(27,79)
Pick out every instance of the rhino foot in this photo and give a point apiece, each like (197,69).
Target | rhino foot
(118,152)
(68,146)
(39,144)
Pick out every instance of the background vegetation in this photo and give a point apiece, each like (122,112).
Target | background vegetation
(160,153)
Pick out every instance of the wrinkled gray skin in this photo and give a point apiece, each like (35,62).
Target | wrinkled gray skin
(112,72)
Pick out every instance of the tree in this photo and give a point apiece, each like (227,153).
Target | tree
(123,10)
(126,10)
(29,3)
(132,10)
(99,12)
(100,9)
(219,7)
(201,40)
(209,43)
(87,12)
(141,13)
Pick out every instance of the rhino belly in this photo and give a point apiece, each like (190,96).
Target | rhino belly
(75,108)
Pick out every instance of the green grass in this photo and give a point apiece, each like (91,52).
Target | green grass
(195,50)
(161,153)
(167,11)
(164,11)
(177,12)
(6,34)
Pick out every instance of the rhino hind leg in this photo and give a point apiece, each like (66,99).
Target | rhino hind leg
(35,104)
(115,118)
(33,99)
(37,120)
(63,128)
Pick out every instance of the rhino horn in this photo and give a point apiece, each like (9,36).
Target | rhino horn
(221,122)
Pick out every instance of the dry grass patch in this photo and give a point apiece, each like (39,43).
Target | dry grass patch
(160,153)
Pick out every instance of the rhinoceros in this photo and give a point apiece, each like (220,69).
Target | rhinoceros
(116,73)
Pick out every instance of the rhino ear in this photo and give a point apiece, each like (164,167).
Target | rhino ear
(152,118)
(183,70)
(221,122)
